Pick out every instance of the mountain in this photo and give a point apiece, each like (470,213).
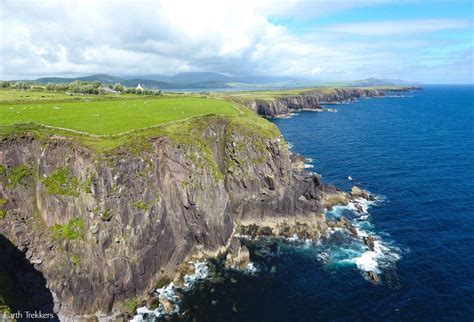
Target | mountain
(182,80)
(103,78)
(205,80)
(195,81)
(200,77)
(382,82)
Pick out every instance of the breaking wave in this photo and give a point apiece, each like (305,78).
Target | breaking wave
(341,249)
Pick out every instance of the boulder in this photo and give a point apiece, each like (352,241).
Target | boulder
(153,303)
(359,208)
(369,242)
(297,161)
(344,223)
(357,192)
(168,306)
(238,256)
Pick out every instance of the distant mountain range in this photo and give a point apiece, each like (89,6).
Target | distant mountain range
(206,80)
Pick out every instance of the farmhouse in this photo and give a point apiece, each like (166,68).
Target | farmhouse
(139,88)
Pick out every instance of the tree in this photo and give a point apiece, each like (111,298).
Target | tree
(50,87)
(96,84)
(21,85)
(119,87)
(4,84)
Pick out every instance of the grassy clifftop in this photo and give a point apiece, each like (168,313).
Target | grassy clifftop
(271,95)
(104,122)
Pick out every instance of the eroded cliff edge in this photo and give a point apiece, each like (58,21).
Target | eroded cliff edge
(102,228)
(312,100)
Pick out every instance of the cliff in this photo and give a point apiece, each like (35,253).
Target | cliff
(89,232)
(312,100)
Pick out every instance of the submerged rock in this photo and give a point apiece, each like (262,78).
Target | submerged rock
(373,277)
(359,208)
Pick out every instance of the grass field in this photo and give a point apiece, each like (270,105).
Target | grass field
(105,117)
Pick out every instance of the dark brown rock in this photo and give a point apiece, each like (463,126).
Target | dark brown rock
(344,223)
(369,242)
(373,277)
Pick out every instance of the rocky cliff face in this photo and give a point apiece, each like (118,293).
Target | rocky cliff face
(312,100)
(101,229)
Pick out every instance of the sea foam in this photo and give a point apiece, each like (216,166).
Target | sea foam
(169,292)
(353,251)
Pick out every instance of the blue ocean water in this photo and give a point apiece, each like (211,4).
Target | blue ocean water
(416,153)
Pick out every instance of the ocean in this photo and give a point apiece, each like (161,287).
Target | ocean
(416,154)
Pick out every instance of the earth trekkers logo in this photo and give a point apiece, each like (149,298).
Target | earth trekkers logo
(25,315)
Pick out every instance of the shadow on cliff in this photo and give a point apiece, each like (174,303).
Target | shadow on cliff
(22,287)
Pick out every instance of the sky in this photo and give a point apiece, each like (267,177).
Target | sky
(333,40)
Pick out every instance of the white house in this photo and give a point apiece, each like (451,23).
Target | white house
(139,87)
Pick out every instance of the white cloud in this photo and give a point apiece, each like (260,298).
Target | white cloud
(399,27)
(53,37)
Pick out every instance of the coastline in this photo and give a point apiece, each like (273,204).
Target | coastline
(284,201)
(283,105)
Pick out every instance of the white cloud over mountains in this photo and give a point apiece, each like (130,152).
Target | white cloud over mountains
(51,37)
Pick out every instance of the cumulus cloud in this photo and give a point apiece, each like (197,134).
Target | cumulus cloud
(53,37)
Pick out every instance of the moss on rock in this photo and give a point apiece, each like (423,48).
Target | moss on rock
(16,175)
(60,182)
(73,230)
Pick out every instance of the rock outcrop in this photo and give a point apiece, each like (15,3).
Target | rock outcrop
(345,224)
(369,242)
(104,228)
(238,256)
(357,192)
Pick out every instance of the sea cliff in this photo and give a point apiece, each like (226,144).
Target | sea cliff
(312,100)
(93,232)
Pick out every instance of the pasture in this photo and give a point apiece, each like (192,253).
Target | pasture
(108,116)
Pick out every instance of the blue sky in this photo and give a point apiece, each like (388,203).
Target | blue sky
(338,40)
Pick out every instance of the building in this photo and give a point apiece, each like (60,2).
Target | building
(139,88)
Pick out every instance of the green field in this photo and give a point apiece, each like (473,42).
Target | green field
(109,116)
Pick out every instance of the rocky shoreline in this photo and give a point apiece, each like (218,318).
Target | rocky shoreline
(313,100)
(237,257)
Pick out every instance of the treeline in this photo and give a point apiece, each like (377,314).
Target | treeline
(80,87)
